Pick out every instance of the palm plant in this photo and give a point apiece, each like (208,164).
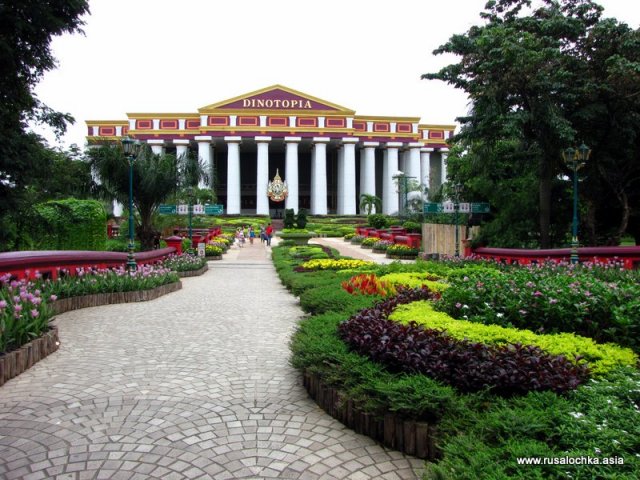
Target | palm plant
(155,178)
(370,202)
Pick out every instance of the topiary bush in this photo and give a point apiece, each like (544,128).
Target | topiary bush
(301,218)
(377,220)
(331,299)
(289,218)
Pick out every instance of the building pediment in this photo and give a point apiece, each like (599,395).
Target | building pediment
(276,98)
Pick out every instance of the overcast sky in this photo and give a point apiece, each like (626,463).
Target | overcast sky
(170,56)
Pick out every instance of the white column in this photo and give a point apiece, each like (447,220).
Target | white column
(425,170)
(157,146)
(262,176)
(443,152)
(368,170)
(402,161)
(233,175)
(182,147)
(349,176)
(319,176)
(340,186)
(413,161)
(291,172)
(205,156)
(389,169)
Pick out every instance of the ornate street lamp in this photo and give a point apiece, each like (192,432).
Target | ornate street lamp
(190,206)
(130,148)
(575,159)
(457,190)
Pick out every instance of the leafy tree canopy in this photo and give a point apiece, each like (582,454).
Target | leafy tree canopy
(26,30)
(543,76)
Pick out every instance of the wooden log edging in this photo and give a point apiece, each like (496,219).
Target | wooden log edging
(97,299)
(15,362)
(194,273)
(408,436)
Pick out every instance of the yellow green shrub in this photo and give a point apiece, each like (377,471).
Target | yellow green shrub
(330,264)
(601,357)
(415,280)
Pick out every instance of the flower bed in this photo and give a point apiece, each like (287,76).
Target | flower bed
(478,434)
(402,252)
(331,264)
(504,369)
(600,358)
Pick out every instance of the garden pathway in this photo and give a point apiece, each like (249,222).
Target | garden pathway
(193,385)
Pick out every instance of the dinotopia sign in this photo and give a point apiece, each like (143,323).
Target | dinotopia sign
(276,103)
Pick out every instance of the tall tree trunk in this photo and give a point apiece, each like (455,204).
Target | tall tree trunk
(626,213)
(545,179)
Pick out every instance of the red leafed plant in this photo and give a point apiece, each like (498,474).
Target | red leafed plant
(368,284)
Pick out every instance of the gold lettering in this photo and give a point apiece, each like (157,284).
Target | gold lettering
(276,103)
(307,104)
(246,102)
(260,103)
(294,103)
(268,103)
(285,103)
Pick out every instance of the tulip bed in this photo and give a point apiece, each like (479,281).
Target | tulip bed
(25,306)
(498,384)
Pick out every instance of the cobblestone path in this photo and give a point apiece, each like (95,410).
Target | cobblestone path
(193,385)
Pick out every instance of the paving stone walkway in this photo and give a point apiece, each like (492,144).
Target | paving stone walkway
(193,385)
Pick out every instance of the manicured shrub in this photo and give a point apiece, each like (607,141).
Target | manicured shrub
(337,264)
(349,236)
(402,250)
(415,280)
(601,358)
(412,227)
(377,221)
(301,218)
(329,299)
(289,218)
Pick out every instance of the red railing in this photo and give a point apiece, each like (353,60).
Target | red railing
(48,264)
(629,257)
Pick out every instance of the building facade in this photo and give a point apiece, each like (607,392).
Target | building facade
(327,155)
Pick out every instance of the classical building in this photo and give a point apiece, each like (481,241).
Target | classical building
(327,155)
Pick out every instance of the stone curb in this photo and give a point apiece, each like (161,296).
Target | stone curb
(194,273)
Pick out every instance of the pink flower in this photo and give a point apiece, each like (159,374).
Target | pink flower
(35,313)
(3,304)
(537,293)
(553,301)
(53,298)
(18,308)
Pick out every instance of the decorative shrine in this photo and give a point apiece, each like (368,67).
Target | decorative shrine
(277,190)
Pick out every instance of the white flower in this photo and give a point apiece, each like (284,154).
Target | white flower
(576,414)
(597,450)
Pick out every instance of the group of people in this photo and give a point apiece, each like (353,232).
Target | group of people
(265,235)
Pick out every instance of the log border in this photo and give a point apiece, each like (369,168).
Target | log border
(21,359)
(391,430)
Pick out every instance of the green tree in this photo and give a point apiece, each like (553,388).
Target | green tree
(368,202)
(26,30)
(522,73)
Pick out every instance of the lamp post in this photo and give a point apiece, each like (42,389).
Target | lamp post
(457,190)
(129,147)
(190,207)
(575,159)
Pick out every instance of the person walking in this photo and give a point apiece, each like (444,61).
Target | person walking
(240,237)
(263,235)
(252,234)
(269,233)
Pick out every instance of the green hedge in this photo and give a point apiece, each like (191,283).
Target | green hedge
(70,225)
